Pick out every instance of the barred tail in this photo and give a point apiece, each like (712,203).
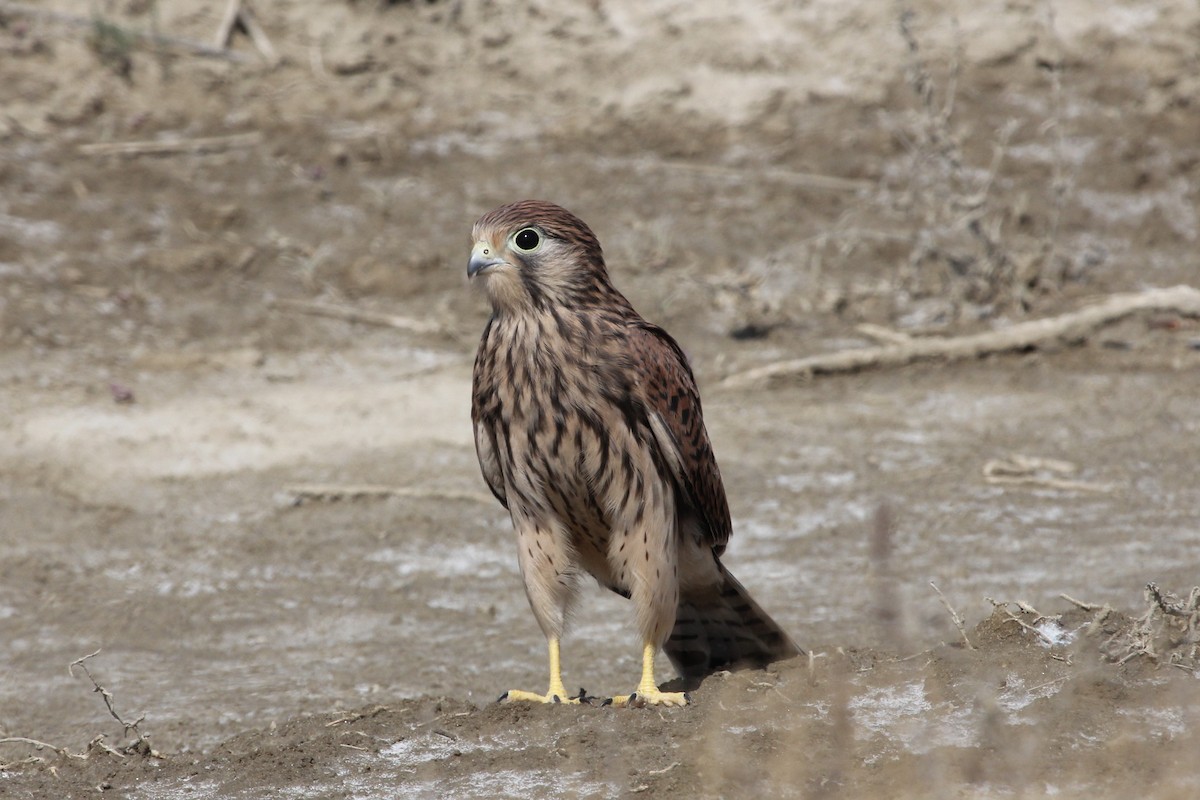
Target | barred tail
(724,629)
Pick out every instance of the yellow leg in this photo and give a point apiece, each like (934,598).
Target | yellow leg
(555,694)
(647,691)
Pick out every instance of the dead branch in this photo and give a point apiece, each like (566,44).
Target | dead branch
(1168,633)
(229,21)
(355,315)
(958,621)
(1074,325)
(882,334)
(1186,609)
(169,147)
(238,14)
(1024,608)
(153,40)
(1019,470)
(141,744)
(329,493)
(37,745)
(1080,603)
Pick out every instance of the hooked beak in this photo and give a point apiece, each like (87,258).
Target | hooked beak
(483,257)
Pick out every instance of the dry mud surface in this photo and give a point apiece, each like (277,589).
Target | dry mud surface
(766,181)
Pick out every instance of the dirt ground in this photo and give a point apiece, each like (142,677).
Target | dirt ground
(769,182)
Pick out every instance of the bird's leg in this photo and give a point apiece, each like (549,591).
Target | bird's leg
(555,694)
(648,691)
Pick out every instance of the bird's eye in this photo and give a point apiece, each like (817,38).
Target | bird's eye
(527,239)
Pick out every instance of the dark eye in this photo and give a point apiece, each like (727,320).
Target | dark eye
(527,239)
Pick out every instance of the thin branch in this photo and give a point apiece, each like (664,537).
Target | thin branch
(168,147)
(355,315)
(1003,606)
(1021,336)
(1079,603)
(334,492)
(39,745)
(958,621)
(141,744)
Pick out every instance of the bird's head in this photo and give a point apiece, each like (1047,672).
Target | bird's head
(532,253)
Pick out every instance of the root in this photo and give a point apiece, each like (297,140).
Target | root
(1168,633)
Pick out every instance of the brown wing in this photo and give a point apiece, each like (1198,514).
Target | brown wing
(669,388)
(484,416)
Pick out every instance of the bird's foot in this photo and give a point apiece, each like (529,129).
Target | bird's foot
(554,695)
(650,697)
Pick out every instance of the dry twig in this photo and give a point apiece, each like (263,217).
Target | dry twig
(170,147)
(958,621)
(1074,325)
(356,315)
(238,14)
(141,744)
(1027,609)
(332,492)
(37,745)
(1080,603)
(1169,632)
(1019,470)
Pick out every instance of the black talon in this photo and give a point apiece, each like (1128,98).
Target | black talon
(557,699)
(502,698)
(607,702)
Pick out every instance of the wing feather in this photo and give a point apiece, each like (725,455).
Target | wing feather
(668,389)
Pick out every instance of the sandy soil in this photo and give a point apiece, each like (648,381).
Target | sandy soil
(765,182)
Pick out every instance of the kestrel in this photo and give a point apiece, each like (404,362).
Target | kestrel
(589,431)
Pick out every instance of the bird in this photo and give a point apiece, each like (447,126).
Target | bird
(589,430)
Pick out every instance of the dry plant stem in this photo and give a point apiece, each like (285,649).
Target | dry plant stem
(140,744)
(1003,606)
(62,751)
(1047,483)
(882,334)
(228,21)
(355,315)
(1186,609)
(1080,603)
(958,621)
(237,12)
(163,43)
(1019,470)
(330,492)
(1058,182)
(210,144)
(1073,325)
